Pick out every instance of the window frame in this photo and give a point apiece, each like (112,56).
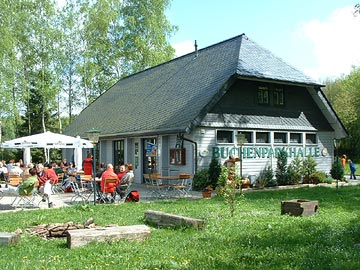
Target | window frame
(300,137)
(284,138)
(267,141)
(225,131)
(278,97)
(311,142)
(249,135)
(263,95)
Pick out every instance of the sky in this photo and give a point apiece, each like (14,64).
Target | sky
(321,38)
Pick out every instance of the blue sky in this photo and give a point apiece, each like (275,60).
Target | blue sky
(319,37)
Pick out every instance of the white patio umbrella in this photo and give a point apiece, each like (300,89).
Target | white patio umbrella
(47,140)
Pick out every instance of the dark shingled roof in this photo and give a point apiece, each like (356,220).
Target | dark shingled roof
(168,98)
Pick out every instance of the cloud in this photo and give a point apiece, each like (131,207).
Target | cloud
(335,43)
(183,47)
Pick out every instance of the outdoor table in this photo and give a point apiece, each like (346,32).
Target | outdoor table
(168,185)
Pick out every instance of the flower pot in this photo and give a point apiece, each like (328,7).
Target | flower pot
(206,194)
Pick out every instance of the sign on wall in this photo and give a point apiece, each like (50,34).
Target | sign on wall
(266,152)
(151,149)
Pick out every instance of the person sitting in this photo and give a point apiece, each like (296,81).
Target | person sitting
(122,172)
(3,171)
(46,179)
(26,172)
(16,170)
(100,171)
(108,173)
(64,164)
(125,181)
(27,186)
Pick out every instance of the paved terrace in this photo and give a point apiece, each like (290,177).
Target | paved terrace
(64,199)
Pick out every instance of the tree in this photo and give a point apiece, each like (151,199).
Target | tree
(281,168)
(78,52)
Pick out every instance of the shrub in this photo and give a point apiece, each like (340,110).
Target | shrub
(201,180)
(309,168)
(337,170)
(295,171)
(281,171)
(265,178)
(317,177)
(214,172)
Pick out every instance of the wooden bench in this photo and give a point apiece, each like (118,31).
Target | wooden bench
(298,207)
(162,219)
(81,237)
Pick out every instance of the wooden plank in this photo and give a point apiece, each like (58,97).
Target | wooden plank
(81,237)
(163,219)
(7,239)
(298,207)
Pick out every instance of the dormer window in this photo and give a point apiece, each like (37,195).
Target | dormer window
(278,97)
(263,95)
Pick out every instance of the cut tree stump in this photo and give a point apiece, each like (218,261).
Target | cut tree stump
(8,239)
(298,207)
(81,237)
(163,219)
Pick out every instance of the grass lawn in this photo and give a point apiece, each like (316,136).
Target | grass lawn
(257,237)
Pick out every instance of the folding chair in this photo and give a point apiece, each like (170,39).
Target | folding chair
(105,195)
(58,187)
(160,190)
(26,200)
(79,193)
(184,184)
(125,189)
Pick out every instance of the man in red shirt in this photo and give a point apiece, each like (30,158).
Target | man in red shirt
(108,173)
(46,178)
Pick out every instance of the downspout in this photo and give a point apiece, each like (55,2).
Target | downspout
(181,136)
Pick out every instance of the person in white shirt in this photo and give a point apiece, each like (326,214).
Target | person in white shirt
(3,171)
(16,170)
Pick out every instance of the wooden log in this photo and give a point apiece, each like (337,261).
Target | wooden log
(163,219)
(298,207)
(81,237)
(7,239)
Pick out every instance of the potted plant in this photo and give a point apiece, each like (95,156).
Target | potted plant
(206,192)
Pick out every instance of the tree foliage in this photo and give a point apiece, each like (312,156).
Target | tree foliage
(344,96)
(57,60)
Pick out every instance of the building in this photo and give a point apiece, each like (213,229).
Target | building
(231,98)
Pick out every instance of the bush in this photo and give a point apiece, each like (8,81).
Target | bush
(214,172)
(281,171)
(317,177)
(295,171)
(309,168)
(201,180)
(265,178)
(337,170)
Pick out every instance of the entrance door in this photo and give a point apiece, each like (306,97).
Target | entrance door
(150,156)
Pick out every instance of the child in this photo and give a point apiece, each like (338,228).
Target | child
(352,169)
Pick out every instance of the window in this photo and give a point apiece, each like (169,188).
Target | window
(224,136)
(263,95)
(119,152)
(310,138)
(295,138)
(278,97)
(177,156)
(280,137)
(262,137)
(248,137)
